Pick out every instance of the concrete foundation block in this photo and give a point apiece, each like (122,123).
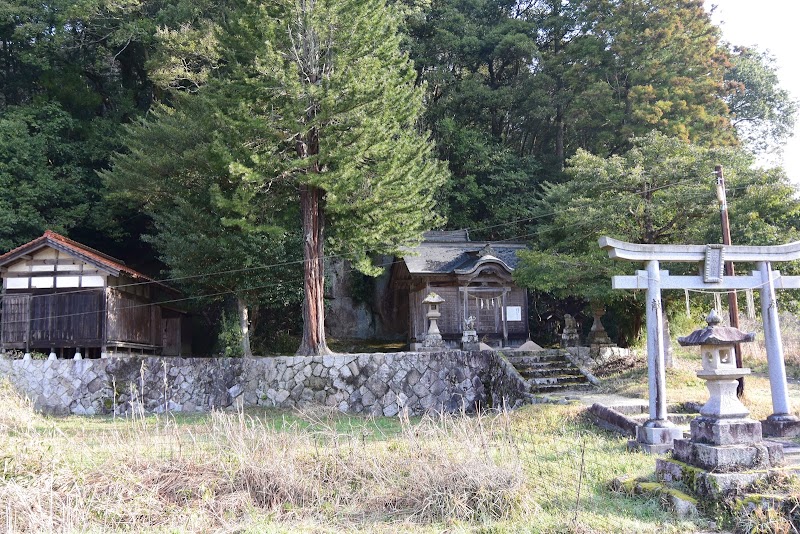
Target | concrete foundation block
(649,448)
(728,458)
(658,435)
(703,483)
(781,428)
(725,431)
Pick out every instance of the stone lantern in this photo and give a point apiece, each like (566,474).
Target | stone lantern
(717,345)
(723,438)
(433,339)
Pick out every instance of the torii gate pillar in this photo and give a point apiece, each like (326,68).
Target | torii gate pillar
(657,433)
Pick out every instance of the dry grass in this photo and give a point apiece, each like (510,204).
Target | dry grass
(236,467)
(539,469)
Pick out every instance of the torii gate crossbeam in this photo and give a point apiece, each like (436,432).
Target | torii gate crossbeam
(658,433)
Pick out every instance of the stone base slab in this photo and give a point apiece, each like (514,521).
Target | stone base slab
(703,483)
(684,506)
(725,431)
(658,435)
(649,448)
(728,458)
(781,428)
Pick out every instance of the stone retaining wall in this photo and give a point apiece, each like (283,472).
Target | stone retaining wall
(377,384)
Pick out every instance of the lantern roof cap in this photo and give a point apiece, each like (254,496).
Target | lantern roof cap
(714,334)
(433,298)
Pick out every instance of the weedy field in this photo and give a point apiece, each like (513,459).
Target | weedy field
(543,468)
(539,469)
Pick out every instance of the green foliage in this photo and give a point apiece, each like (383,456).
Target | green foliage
(71,73)
(229,337)
(331,103)
(217,232)
(762,111)
(660,191)
(474,58)
(662,68)
(515,89)
(45,174)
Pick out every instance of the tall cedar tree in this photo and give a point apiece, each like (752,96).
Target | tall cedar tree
(218,234)
(336,108)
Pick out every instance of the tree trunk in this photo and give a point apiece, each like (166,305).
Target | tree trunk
(244,326)
(313,342)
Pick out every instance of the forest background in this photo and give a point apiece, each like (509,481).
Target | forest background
(557,120)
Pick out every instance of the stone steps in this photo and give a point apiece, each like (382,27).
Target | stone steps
(791,453)
(547,371)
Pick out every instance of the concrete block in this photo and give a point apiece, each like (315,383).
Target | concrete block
(722,458)
(649,448)
(725,431)
(781,428)
(658,435)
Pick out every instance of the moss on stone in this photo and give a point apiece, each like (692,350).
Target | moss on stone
(649,487)
(681,495)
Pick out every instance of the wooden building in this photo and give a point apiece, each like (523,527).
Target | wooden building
(474,278)
(59,295)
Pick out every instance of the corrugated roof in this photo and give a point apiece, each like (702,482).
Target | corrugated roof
(102,261)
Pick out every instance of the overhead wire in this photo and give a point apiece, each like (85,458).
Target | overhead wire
(698,194)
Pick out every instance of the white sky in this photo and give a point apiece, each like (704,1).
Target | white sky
(770,25)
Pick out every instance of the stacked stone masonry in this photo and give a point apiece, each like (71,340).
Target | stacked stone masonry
(374,384)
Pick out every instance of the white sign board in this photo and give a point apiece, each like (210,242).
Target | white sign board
(513,313)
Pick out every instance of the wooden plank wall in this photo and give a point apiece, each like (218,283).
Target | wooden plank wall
(62,319)
(16,314)
(54,320)
(131,319)
(171,336)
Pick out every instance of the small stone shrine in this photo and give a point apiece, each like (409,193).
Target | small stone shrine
(570,336)
(469,339)
(433,338)
(724,439)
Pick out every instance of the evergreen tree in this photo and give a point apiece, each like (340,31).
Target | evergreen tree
(336,103)
(762,111)
(317,102)
(218,234)
(660,191)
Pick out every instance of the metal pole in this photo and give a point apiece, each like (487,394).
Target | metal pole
(733,303)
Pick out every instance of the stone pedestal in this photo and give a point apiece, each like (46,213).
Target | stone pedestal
(433,342)
(777,426)
(598,337)
(729,458)
(655,437)
(469,340)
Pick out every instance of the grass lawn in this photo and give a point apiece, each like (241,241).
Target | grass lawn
(542,468)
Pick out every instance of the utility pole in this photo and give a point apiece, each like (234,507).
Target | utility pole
(733,304)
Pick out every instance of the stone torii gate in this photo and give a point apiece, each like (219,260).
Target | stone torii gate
(657,433)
